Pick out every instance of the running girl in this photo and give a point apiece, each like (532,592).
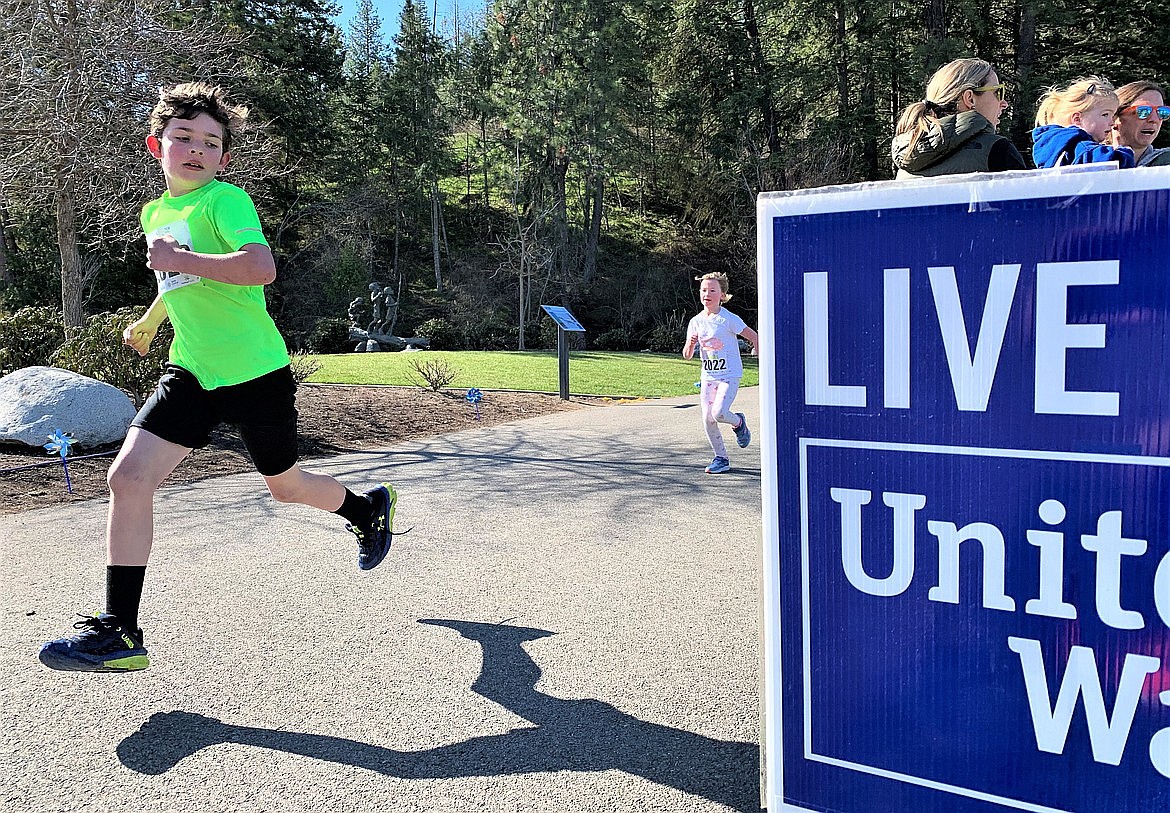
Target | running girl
(713,332)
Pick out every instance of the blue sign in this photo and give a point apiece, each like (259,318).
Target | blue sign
(967,494)
(564,319)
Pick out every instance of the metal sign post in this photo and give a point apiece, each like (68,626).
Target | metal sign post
(566,322)
(966,470)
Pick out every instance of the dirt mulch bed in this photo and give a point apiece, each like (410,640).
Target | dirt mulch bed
(333,420)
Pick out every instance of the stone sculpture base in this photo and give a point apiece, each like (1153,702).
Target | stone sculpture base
(368,342)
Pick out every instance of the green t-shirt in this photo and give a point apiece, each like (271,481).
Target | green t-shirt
(223,333)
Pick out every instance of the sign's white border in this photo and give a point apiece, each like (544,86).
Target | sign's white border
(980,192)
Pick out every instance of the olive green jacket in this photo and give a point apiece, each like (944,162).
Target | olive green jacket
(956,144)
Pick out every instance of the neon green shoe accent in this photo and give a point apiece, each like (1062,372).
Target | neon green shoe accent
(393,506)
(128,664)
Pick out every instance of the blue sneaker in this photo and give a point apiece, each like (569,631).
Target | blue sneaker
(103,645)
(743,435)
(719,465)
(374,539)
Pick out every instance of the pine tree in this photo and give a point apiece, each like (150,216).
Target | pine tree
(418,120)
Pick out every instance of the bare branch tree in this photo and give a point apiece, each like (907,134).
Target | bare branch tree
(525,255)
(78,79)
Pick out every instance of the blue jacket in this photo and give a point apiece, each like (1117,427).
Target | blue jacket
(1056,146)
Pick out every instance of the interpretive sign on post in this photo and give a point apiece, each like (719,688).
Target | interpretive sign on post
(564,319)
(566,323)
(966,464)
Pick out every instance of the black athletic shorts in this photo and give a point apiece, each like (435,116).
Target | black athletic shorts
(263,409)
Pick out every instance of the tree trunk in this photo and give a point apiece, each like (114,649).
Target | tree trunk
(520,343)
(1025,63)
(483,149)
(841,59)
(71,283)
(934,23)
(397,217)
(467,168)
(6,276)
(763,72)
(560,168)
(443,233)
(867,108)
(593,229)
(435,237)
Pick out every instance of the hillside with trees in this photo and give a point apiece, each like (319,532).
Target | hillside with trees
(594,153)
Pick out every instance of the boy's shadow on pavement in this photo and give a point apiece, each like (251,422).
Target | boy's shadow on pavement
(567,735)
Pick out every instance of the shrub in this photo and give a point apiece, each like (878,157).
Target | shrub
(434,374)
(96,350)
(302,366)
(533,337)
(443,334)
(491,333)
(550,336)
(548,331)
(29,337)
(330,335)
(668,336)
(616,339)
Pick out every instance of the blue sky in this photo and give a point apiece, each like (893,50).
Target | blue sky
(389,10)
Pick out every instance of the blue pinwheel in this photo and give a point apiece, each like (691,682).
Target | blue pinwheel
(60,444)
(474,396)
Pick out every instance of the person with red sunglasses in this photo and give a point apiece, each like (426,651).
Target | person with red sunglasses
(1142,110)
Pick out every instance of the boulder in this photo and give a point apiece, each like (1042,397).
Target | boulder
(37,401)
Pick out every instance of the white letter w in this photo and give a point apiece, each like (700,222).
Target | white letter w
(1107,737)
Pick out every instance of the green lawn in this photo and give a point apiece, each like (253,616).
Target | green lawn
(591,372)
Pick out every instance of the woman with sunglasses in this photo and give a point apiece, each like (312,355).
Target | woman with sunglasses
(1074,125)
(1139,119)
(952,130)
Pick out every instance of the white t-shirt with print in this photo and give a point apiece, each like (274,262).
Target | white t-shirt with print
(718,346)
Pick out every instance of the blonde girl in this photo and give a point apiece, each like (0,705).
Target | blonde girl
(713,333)
(1074,125)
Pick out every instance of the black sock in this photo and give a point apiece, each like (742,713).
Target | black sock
(124,592)
(356,509)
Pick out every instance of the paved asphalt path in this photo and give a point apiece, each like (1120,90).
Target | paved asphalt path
(572,625)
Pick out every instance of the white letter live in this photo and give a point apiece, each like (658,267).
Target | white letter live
(967,495)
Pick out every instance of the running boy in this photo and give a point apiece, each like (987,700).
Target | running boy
(713,332)
(228,364)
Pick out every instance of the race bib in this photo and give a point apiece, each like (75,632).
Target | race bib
(170,280)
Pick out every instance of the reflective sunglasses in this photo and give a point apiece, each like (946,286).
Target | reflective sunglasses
(1144,110)
(1001,90)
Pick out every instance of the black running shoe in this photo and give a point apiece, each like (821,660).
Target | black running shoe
(103,645)
(374,539)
